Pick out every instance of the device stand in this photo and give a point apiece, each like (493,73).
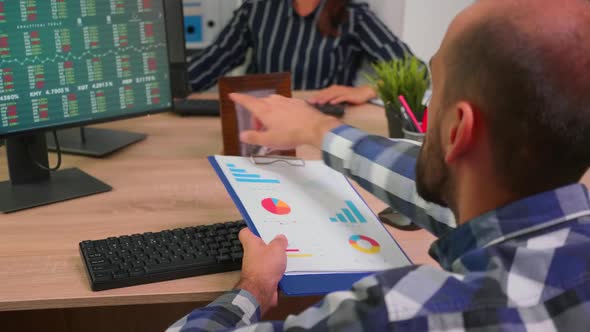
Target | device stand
(31,186)
(93,142)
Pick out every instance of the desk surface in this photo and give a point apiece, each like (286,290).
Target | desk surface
(163,182)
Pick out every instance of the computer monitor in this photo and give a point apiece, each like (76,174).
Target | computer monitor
(177,48)
(99,142)
(70,63)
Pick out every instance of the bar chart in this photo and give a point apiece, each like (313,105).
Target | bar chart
(244,176)
(349,214)
(296,253)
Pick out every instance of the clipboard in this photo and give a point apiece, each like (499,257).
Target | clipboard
(299,284)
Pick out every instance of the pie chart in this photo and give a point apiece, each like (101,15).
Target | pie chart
(276,206)
(364,244)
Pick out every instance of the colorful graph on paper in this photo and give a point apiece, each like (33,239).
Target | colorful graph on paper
(349,214)
(276,206)
(245,176)
(364,244)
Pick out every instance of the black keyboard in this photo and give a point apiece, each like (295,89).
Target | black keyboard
(210,107)
(171,254)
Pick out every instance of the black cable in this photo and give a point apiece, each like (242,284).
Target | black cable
(57,148)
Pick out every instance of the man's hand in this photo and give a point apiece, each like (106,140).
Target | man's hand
(263,267)
(288,122)
(337,94)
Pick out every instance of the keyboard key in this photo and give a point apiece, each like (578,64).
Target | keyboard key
(102,276)
(104,268)
(137,271)
(223,258)
(87,244)
(95,255)
(98,262)
(236,256)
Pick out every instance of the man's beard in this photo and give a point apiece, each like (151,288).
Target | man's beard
(432,174)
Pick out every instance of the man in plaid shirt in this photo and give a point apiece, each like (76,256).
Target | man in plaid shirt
(508,141)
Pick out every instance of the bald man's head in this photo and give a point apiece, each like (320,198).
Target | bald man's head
(525,65)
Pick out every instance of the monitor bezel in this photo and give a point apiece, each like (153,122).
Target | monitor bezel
(52,127)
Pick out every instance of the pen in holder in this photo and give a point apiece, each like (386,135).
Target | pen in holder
(412,129)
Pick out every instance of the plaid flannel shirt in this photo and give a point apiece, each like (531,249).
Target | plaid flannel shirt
(522,267)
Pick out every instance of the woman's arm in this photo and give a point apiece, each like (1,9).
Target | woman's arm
(225,53)
(376,40)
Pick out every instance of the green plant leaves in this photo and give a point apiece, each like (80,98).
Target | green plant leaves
(406,76)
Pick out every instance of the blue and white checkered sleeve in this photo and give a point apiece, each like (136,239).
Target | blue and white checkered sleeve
(231,310)
(386,168)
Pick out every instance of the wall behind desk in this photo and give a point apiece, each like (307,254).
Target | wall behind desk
(420,23)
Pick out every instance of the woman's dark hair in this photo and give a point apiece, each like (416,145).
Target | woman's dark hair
(333,14)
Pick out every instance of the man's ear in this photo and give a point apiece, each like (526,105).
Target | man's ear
(461,131)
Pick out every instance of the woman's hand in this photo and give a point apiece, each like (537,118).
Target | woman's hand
(337,94)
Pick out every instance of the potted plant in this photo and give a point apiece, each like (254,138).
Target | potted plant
(406,76)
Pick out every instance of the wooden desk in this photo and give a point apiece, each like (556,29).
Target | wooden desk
(163,182)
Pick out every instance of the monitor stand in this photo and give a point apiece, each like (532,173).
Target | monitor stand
(30,186)
(92,142)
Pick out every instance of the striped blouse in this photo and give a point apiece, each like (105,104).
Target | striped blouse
(283,41)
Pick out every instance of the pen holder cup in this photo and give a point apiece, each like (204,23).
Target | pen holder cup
(419,137)
(394,121)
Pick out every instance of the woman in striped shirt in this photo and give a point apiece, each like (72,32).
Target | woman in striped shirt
(321,42)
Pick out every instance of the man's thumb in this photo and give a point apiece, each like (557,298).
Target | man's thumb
(246,236)
(253,137)
(280,242)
